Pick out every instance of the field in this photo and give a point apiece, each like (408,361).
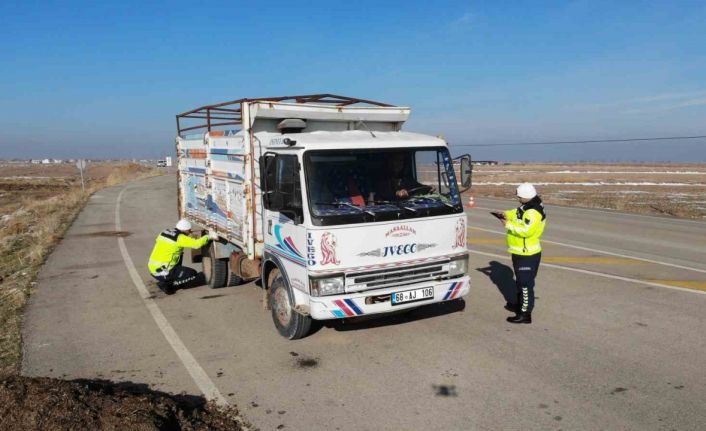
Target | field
(37,204)
(677,190)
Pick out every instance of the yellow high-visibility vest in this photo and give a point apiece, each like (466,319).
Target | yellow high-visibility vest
(168,248)
(523,232)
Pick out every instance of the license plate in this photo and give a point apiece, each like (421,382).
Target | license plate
(412,295)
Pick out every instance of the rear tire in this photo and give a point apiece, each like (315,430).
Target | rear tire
(234,279)
(290,324)
(215,270)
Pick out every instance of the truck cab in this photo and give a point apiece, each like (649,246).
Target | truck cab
(342,213)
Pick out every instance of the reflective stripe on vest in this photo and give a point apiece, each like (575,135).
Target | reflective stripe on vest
(535,247)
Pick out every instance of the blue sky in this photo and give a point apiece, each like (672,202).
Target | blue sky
(105,79)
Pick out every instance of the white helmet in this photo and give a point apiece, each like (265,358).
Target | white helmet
(526,191)
(183,225)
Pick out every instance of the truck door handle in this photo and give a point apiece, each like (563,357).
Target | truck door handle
(269,227)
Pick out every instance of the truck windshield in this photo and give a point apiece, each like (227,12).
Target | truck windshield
(357,186)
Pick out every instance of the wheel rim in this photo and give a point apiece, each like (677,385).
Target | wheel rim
(281,306)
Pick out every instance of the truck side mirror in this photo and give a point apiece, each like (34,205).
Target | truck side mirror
(287,176)
(268,183)
(466,171)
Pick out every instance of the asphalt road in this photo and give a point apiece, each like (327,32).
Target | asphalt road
(618,340)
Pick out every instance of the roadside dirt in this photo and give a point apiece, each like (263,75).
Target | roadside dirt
(42,403)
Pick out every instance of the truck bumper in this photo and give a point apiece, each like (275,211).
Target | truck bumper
(374,302)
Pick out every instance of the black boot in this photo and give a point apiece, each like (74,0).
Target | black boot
(520,318)
(166,287)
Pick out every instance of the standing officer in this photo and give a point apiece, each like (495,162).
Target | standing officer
(524,226)
(165,260)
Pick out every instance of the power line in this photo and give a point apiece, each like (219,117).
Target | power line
(593,141)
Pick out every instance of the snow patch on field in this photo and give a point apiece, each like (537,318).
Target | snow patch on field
(592,184)
(20,177)
(494,171)
(625,172)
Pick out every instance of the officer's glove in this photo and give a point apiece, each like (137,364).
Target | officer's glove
(212,235)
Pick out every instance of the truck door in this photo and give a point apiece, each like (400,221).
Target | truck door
(285,234)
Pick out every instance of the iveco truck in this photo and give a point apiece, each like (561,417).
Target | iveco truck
(326,202)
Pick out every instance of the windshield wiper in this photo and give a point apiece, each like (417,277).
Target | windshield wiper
(346,204)
(427,198)
(390,203)
(395,204)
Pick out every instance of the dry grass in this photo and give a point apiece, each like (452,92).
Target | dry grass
(665,189)
(35,211)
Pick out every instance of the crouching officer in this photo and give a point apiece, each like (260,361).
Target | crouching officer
(165,260)
(524,226)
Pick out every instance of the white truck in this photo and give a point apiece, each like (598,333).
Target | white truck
(327,202)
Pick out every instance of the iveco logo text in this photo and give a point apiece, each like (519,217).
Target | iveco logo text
(399,250)
(310,250)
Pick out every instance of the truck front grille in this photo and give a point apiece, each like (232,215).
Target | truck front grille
(401,276)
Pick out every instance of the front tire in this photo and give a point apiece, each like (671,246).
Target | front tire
(290,324)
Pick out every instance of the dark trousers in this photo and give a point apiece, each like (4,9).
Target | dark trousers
(526,268)
(180,277)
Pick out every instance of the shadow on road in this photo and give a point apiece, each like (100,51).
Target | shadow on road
(403,316)
(502,277)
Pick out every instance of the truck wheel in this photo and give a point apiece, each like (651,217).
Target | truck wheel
(215,270)
(234,279)
(289,323)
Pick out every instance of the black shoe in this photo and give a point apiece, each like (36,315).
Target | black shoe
(167,288)
(520,318)
(511,307)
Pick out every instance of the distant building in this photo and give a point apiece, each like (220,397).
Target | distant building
(485,162)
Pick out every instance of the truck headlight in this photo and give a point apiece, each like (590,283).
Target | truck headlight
(327,286)
(458,266)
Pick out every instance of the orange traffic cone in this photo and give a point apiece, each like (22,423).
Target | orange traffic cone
(471,202)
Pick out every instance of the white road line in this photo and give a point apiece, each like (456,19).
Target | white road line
(205,384)
(609,253)
(599,274)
